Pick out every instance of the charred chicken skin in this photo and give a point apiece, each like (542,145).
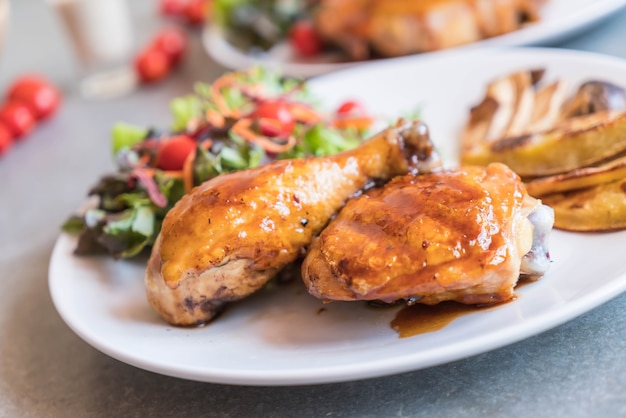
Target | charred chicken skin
(464,235)
(229,236)
(402,27)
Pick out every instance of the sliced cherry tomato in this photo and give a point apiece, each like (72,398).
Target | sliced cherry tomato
(352,115)
(6,139)
(172,8)
(152,65)
(351,108)
(173,42)
(196,11)
(304,39)
(174,151)
(18,117)
(41,96)
(276,111)
(271,127)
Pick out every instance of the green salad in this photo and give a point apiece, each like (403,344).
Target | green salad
(240,121)
(258,24)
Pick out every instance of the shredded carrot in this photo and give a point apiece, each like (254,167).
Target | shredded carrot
(187,172)
(216,90)
(271,146)
(357,122)
(304,113)
(174,173)
(215,118)
(242,128)
(144,160)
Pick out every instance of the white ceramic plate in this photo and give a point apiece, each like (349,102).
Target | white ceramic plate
(560,19)
(283,336)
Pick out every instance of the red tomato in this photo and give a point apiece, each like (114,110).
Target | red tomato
(173,42)
(152,65)
(6,139)
(304,39)
(174,151)
(18,117)
(351,108)
(276,111)
(352,114)
(42,97)
(196,11)
(173,8)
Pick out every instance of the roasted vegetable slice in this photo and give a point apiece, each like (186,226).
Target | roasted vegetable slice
(577,142)
(594,96)
(598,208)
(506,110)
(570,150)
(578,179)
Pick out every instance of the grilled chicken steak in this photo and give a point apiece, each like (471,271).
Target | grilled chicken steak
(229,236)
(464,235)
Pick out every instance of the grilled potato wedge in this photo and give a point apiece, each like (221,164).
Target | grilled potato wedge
(578,179)
(597,208)
(570,150)
(507,109)
(575,143)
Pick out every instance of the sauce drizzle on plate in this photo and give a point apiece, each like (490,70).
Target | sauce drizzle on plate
(419,319)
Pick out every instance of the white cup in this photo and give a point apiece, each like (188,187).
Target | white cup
(4,20)
(101,33)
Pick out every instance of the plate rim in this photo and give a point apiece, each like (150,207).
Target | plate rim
(540,33)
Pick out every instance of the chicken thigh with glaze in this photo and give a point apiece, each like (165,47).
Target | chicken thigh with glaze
(465,235)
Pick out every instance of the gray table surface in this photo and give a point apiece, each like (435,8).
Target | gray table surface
(575,370)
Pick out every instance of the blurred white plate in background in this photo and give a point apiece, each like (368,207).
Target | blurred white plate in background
(560,19)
